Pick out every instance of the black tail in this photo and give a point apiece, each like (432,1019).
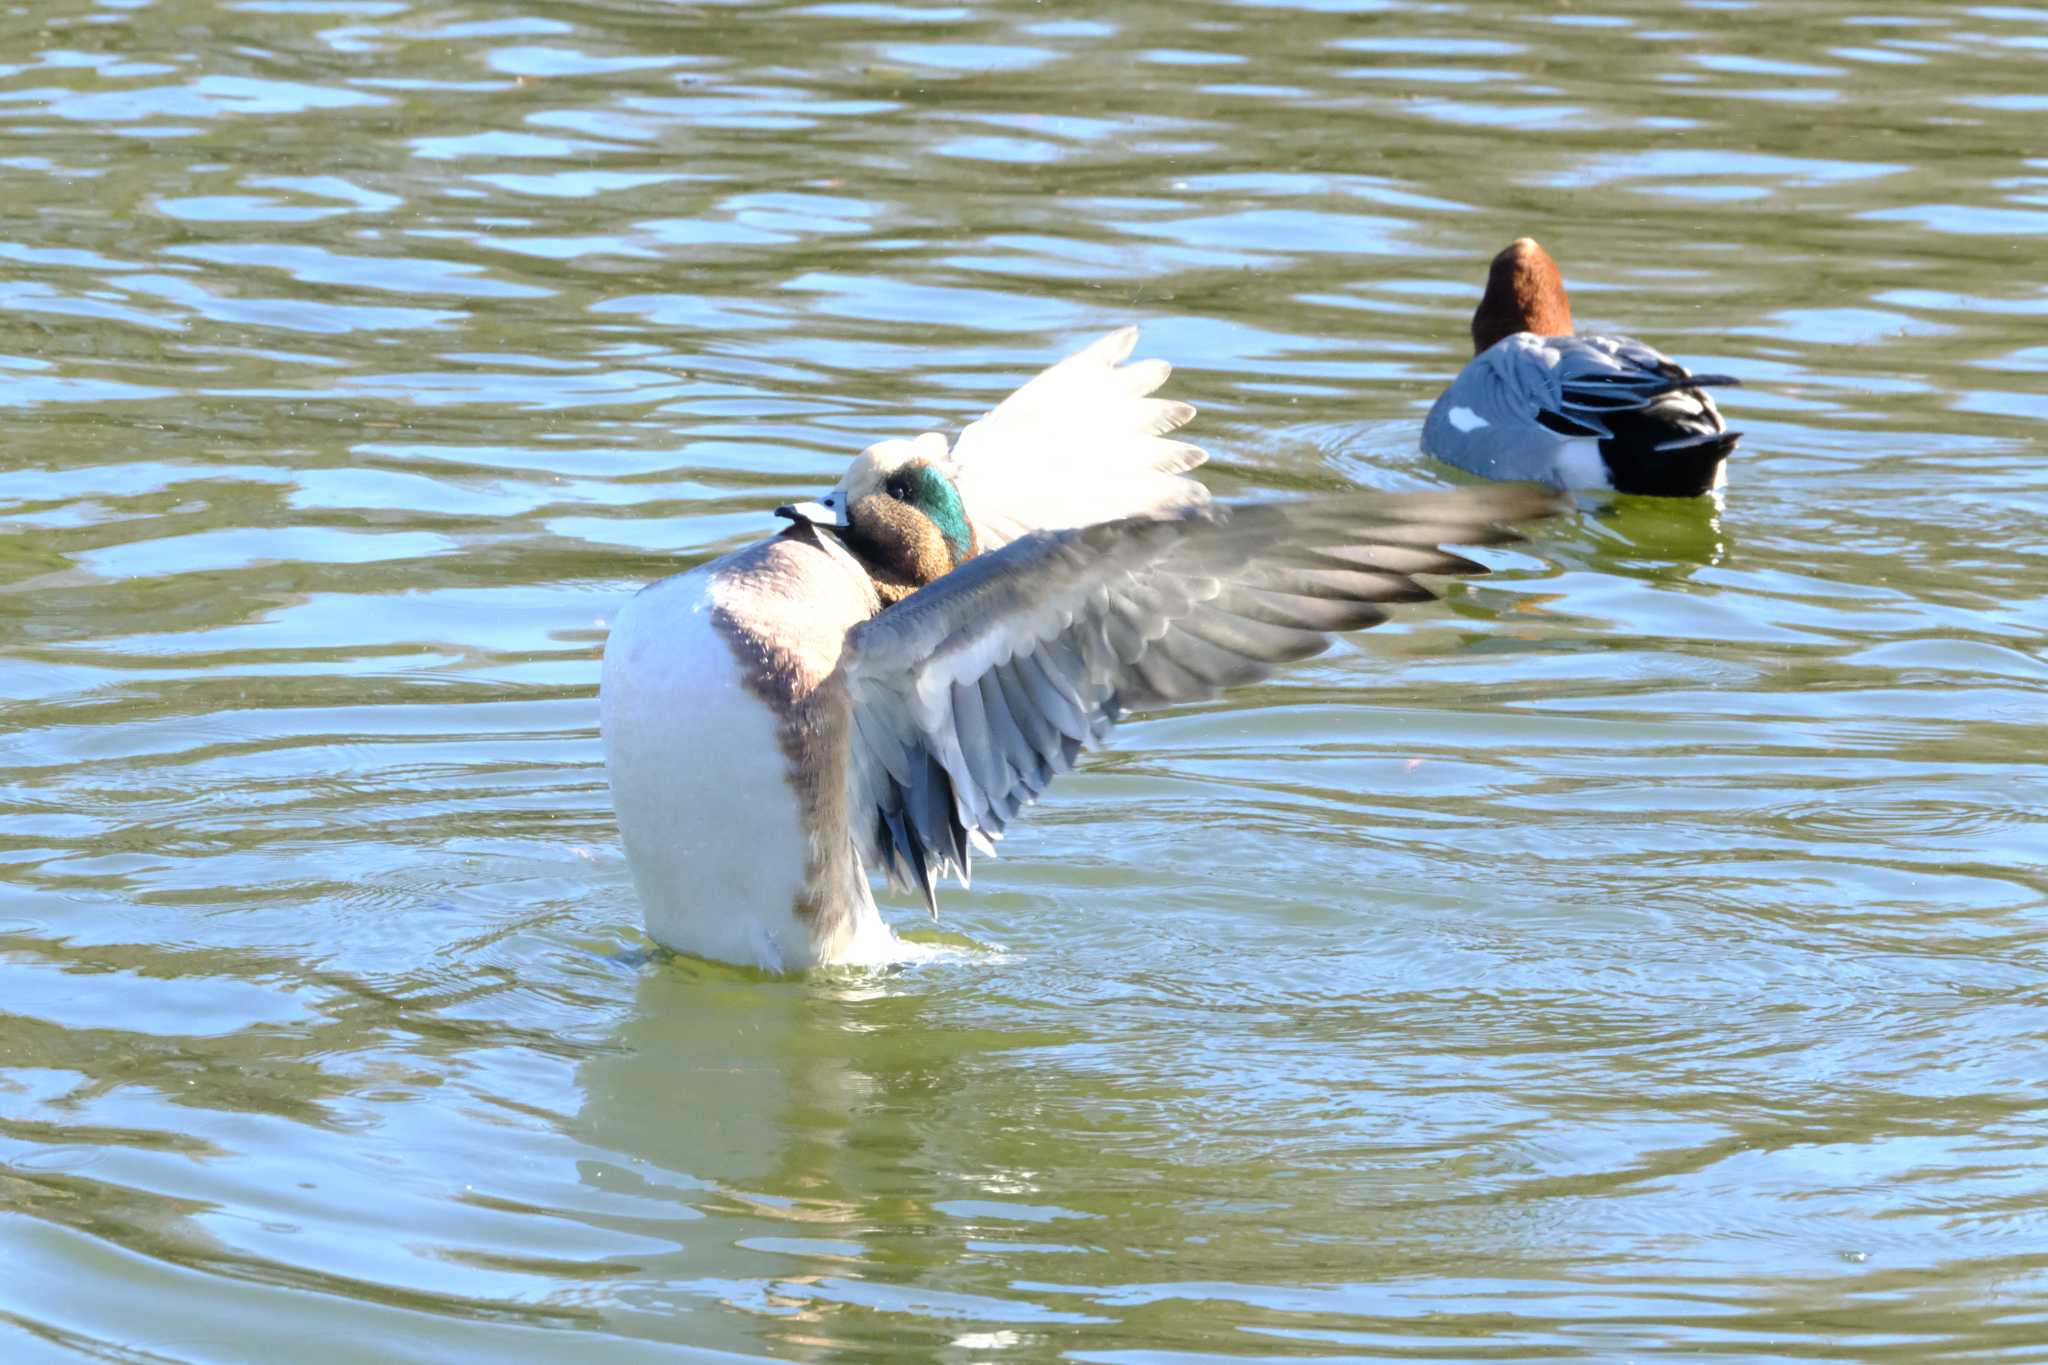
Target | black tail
(1683,471)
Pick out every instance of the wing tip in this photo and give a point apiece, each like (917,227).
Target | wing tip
(1113,348)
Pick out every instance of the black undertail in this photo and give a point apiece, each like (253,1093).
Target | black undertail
(1650,455)
(1670,441)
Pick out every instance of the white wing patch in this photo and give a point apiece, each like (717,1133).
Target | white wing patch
(1464,419)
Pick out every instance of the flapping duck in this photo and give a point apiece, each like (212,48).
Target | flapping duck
(883,685)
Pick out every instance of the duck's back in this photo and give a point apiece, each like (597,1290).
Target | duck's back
(722,754)
(1582,411)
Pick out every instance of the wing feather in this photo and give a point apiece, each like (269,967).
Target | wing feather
(1084,441)
(973,693)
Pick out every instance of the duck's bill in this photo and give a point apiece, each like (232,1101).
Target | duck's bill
(827,512)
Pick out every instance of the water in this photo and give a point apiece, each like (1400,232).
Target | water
(1639,954)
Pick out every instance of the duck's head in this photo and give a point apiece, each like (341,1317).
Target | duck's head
(899,513)
(1524,293)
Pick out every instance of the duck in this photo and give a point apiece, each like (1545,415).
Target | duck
(1579,411)
(882,685)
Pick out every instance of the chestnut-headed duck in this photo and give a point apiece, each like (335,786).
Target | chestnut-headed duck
(880,687)
(1539,401)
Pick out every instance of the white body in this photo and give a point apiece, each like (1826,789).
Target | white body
(711,826)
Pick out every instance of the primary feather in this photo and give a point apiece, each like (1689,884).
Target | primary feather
(974,692)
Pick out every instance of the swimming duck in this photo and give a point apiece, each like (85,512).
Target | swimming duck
(881,686)
(1572,410)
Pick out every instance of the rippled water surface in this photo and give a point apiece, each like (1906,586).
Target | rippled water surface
(1640,953)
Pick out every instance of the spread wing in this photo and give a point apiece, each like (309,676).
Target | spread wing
(1085,441)
(970,695)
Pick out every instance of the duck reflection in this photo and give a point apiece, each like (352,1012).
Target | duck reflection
(1662,539)
(789,1124)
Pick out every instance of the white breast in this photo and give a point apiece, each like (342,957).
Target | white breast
(711,826)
